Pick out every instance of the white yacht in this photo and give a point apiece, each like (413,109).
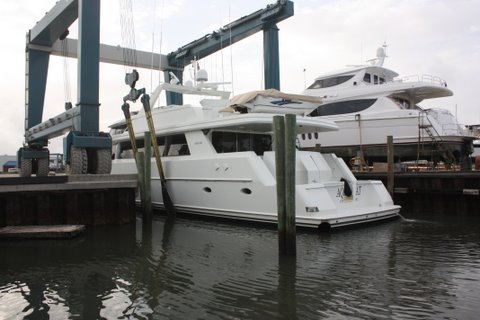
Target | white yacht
(218,161)
(370,102)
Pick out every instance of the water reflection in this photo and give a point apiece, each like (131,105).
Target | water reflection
(181,268)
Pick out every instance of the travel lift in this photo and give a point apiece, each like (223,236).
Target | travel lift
(86,149)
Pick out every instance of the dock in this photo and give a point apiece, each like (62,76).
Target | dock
(41,232)
(90,200)
(442,192)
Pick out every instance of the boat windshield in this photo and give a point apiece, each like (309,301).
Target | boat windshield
(373,78)
(225,141)
(342,107)
(330,82)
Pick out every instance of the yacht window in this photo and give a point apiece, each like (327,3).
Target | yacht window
(375,79)
(174,145)
(366,78)
(261,143)
(342,107)
(244,142)
(329,82)
(316,135)
(309,136)
(382,80)
(225,142)
(303,136)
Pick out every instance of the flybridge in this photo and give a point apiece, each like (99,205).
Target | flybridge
(85,142)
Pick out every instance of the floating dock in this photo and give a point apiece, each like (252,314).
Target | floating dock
(89,200)
(41,232)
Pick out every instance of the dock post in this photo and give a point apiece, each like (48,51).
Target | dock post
(290,190)
(279,143)
(148,177)
(285,152)
(140,158)
(390,174)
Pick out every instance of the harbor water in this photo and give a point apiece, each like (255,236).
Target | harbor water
(187,268)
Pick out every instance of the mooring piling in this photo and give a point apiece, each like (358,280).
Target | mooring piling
(390,167)
(140,160)
(279,140)
(290,164)
(148,177)
(285,163)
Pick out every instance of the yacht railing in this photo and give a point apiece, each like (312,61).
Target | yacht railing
(426,125)
(426,78)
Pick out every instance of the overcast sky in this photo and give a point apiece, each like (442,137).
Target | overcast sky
(434,37)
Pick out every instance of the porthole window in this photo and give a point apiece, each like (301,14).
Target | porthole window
(246,191)
(207,189)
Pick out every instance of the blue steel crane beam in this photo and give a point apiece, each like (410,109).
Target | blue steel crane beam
(231,33)
(264,19)
(54,23)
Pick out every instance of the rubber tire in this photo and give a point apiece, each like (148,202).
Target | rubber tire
(26,168)
(43,167)
(103,159)
(78,160)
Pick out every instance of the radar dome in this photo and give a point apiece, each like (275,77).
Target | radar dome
(380,52)
(202,75)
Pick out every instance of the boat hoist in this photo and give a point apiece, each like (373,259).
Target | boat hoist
(86,148)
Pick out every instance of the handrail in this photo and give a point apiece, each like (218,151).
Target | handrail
(427,78)
(423,114)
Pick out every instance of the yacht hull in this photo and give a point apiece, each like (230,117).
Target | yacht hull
(372,215)
(242,186)
(411,142)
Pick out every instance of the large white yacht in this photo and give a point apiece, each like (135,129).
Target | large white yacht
(218,161)
(370,102)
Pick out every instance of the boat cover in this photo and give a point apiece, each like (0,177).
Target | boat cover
(272,101)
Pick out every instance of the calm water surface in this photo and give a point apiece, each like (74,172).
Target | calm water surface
(426,268)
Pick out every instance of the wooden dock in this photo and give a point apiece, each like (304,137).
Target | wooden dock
(440,192)
(88,200)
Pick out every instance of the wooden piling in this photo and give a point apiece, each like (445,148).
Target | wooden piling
(285,163)
(148,176)
(390,168)
(290,164)
(140,159)
(279,140)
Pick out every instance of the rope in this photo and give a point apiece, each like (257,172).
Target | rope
(66,71)
(128,34)
(162,17)
(221,53)
(231,49)
(154,15)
